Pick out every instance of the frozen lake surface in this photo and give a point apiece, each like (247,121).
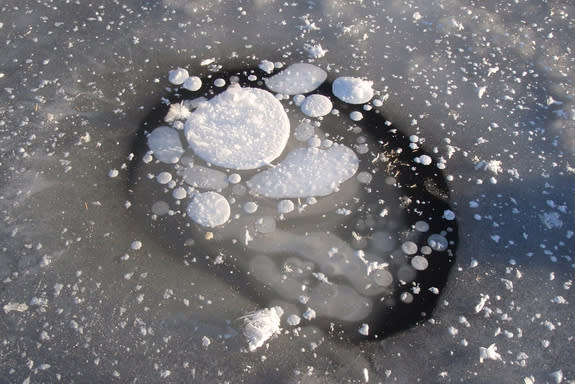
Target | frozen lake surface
(93,289)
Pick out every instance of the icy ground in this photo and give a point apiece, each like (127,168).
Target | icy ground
(87,296)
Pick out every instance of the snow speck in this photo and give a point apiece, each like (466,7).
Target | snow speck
(352,90)
(209,209)
(206,341)
(178,76)
(315,51)
(259,326)
(16,307)
(297,78)
(489,353)
(192,83)
(364,329)
(166,145)
(316,106)
(307,172)
(241,128)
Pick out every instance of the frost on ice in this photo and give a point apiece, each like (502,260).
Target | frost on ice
(307,172)
(241,128)
(259,326)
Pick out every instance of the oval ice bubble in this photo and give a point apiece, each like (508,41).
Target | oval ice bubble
(241,128)
(166,145)
(307,172)
(209,209)
(297,78)
(352,90)
(178,76)
(316,106)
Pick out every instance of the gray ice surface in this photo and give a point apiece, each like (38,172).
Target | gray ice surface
(487,85)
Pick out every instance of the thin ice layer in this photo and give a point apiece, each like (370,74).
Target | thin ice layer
(241,128)
(297,78)
(307,172)
(166,145)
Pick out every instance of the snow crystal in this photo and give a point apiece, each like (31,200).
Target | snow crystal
(209,209)
(352,90)
(316,106)
(307,172)
(178,76)
(241,128)
(259,326)
(297,78)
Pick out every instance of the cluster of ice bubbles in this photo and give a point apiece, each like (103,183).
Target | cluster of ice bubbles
(300,187)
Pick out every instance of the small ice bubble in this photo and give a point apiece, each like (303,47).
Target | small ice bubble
(409,247)
(356,116)
(164,177)
(293,320)
(178,76)
(179,193)
(420,263)
(219,82)
(113,173)
(136,245)
(192,83)
(206,341)
(448,215)
(285,206)
(234,178)
(250,207)
(364,329)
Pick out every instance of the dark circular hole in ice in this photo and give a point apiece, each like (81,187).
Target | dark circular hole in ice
(397,222)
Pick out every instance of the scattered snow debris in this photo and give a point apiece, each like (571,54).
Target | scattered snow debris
(206,341)
(178,76)
(240,128)
(206,62)
(136,245)
(366,375)
(314,51)
(307,172)
(165,373)
(489,353)
(16,307)
(557,376)
(364,329)
(551,220)
(493,166)
(481,91)
(309,314)
(209,209)
(296,79)
(508,284)
(259,326)
(492,71)
(416,16)
(353,90)
(482,301)
(495,238)
(559,300)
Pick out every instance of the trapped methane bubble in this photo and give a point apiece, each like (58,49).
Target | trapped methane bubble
(277,193)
